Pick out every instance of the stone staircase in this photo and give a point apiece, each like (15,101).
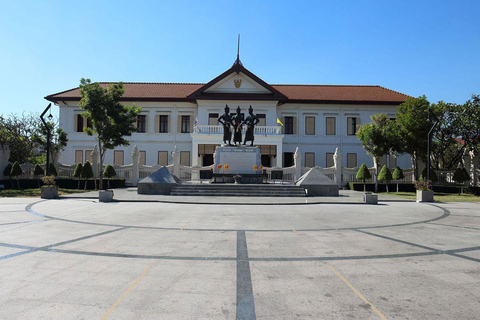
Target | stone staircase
(238,190)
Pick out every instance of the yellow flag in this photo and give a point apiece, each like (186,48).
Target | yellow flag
(279,122)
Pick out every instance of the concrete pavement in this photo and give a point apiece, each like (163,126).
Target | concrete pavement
(156,258)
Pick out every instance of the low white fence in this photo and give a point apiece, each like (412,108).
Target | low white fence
(188,173)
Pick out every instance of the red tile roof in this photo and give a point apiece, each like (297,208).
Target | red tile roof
(294,93)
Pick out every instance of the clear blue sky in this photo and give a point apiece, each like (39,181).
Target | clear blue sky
(415,47)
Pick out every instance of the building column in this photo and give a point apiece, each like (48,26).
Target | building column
(135,168)
(176,162)
(297,160)
(337,162)
(194,155)
(279,158)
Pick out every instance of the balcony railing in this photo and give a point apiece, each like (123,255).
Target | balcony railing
(207,129)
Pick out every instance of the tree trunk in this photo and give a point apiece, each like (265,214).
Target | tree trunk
(85,187)
(397,187)
(78,184)
(100,174)
(376,174)
(364,186)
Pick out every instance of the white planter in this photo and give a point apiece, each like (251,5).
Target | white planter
(49,192)
(105,195)
(424,196)
(369,198)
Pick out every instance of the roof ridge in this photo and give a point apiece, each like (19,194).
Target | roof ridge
(136,82)
(406,95)
(328,85)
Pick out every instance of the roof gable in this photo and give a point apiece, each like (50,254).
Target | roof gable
(237,83)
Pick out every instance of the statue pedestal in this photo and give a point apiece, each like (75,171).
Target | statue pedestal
(232,161)
(239,160)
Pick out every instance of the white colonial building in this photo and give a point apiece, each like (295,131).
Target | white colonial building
(316,118)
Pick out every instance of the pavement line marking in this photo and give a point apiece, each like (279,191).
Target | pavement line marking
(245,299)
(125,293)
(294,231)
(186,224)
(358,293)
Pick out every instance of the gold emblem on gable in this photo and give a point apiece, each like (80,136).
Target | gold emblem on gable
(238,83)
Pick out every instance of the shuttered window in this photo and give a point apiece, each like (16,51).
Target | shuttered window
(330,126)
(162,158)
(353,124)
(309,159)
(142,159)
(78,156)
(309,125)
(78,123)
(185,158)
(212,119)
(88,156)
(351,160)
(329,160)
(118,157)
(262,120)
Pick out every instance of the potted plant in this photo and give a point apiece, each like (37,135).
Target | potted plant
(424,192)
(49,190)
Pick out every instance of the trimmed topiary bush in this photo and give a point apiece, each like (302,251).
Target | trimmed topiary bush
(433,175)
(87,172)
(385,175)
(398,175)
(37,172)
(16,171)
(109,172)
(77,173)
(6,173)
(363,174)
(461,175)
(52,170)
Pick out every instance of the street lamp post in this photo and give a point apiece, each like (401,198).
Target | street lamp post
(429,138)
(48,137)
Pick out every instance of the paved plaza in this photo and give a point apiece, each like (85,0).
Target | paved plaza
(161,257)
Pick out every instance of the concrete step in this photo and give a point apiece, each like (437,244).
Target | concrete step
(239,190)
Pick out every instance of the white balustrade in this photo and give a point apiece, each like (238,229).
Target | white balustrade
(216,129)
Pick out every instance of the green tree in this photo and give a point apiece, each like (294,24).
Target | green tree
(461,175)
(469,123)
(16,171)
(16,132)
(398,175)
(385,175)
(109,172)
(446,150)
(37,172)
(363,174)
(87,172)
(111,121)
(77,173)
(58,138)
(412,127)
(377,139)
(52,170)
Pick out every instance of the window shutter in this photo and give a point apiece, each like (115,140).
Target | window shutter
(179,123)
(135,124)
(294,125)
(75,123)
(146,123)
(169,124)
(191,123)
(283,127)
(358,124)
(157,123)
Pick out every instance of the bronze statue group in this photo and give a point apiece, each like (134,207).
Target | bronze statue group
(235,123)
